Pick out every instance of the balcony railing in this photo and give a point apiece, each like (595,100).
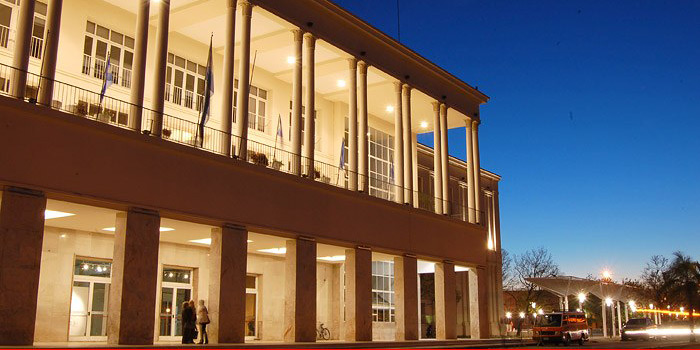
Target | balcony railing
(84,103)
(36,48)
(4,36)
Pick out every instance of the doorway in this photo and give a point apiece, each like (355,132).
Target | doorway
(251,307)
(89,300)
(176,289)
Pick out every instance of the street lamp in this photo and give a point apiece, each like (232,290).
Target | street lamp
(608,301)
(509,315)
(607,275)
(522,314)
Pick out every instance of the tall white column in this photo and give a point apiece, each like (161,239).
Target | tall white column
(243,80)
(228,79)
(352,126)
(437,159)
(363,154)
(627,313)
(138,77)
(48,72)
(22,46)
(471,193)
(444,160)
(612,319)
(605,316)
(407,146)
(566,297)
(477,171)
(310,91)
(161,65)
(619,319)
(398,146)
(296,102)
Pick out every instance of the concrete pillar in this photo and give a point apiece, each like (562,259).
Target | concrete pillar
(437,159)
(406,294)
(445,301)
(398,145)
(23,40)
(228,79)
(22,234)
(138,76)
(619,319)
(444,160)
(243,80)
(627,314)
(566,303)
(612,320)
(474,307)
(471,192)
(358,294)
(132,298)
(48,71)
(603,312)
(296,102)
(363,148)
(352,126)
(300,291)
(477,171)
(161,66)
(407,145)
(227,273)
(310,92)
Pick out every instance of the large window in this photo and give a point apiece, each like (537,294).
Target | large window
(185,82)
(38,32)
(101,42)
(257,106)
(383,291)
(381,162)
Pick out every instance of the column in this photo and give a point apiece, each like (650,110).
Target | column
(228,79)
(296,102)
(138,77)
(471,193)
(48,71)
(363,154)
(566,303)
(474,308)
(398,145)
(406,297)
(627,313)
(444,160)
(23,41)
(437,159)
(227,274)
(603,312)
(477,172)
(619,319)
(445,301)
(407,146)
(132,297)
(358,294)
(243,80)
(22,234)
(300,291)
(310,91)
(352,126)
(161,65)
(612,319)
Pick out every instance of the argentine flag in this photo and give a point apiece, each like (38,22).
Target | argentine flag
(341,166)
(208,91)
(108,78)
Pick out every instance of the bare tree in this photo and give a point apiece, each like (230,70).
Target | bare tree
(654,279)
(534,263)
(509,281)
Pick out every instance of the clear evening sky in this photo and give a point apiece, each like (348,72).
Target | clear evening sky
(593,122)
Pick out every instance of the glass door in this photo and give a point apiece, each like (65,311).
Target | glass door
(88,311)
(176,289)
(251,307)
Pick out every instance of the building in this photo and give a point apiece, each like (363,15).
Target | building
(310,202)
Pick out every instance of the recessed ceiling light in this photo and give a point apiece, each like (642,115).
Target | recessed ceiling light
(423,124)
(461,269)
(206,241)
(341,83)
(279,251)
(291,59)
(54,214)
(389,109)
(333,258)
(162,229)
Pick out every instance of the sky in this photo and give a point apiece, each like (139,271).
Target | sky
(593,121)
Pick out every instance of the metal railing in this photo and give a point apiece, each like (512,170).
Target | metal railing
(87,104)
(4,36)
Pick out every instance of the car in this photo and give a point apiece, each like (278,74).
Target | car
(638,328)
(561,327)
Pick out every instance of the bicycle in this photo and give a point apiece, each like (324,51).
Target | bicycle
(323,333)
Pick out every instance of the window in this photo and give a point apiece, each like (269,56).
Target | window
(185,82)
(383,291)
(95,268)
(303,120)
(5,19)
(381,162)
(38,31)
(176,275)
(101,42)
(257,106)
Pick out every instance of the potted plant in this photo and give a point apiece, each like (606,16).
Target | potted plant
(166,133)
(317,173)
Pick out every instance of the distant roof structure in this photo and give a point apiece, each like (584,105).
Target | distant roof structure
(570,285)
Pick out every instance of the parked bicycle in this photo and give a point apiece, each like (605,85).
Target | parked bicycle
(323,333)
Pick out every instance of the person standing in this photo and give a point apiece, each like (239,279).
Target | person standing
(203,321)
(188,321)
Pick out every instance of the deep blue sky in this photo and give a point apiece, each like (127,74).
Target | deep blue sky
(593,122)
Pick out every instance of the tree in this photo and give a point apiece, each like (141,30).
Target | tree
(681,280)
(509,281)
(654,280)
(534,263)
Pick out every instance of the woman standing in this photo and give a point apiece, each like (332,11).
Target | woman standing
(203,321)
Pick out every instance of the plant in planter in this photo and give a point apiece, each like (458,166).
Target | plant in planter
(166,133)
(276,164)
(317,173)
(258,158)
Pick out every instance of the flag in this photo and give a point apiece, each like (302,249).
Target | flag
(391,173)
(208,91)
(342,155)
(279,129)
(108,78)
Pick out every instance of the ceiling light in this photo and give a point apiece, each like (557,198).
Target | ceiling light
(279,251)
(341,83)
(333,258)
(291,59)
(206,241)
(461,269)
(162,229)
(389,109)
(54,214)
(424,124)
